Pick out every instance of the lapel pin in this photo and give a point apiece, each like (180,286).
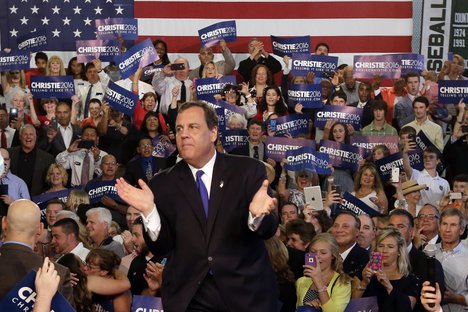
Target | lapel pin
(221,184)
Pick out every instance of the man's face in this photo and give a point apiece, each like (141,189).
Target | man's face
(28,138)
(3,119)
(364,92)
(92,75)
(295,241)
(63,114)
(145,148)
(6,161)
(41,65)
(460,186)
(412,85)
(131,215)
(450,229)
(427,219)
(349,80)
(137,239)
(61,241)
(109,166)
(401,223)
(96,227)
(321,50)
(367,232)
(90,134)
(255,132)
(253,44)
(344,230)
(420,110)
(51,213)
(379,114)
(182,74)
(288,213)
(194,139)
(338,101)
(206,55)
(430,160)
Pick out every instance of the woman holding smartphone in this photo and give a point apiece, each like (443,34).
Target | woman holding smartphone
(324,284)
(393,284)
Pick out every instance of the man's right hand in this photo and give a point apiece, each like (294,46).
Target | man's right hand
(74,146)
(141,199)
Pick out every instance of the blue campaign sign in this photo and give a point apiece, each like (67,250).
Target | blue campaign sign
(211,35)
(306,158)
(302,64)
(288,46)
(422,141)
(309,95)
(162,148)
(52,87)
(411,63)
(342,155)
(452,91)
(371,141)
(33,42)
(15,60)
(206,88)
(293,125)
(121,99)
(344,114)
(232,139)
(88,50)
(146,304)
(22,297)
(42,199)
(369,66)
(224,110)
(385,165)
(97,189)
(276,147)
(139,55)
(112,28)
(356,205)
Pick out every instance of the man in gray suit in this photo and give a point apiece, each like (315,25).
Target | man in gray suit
(403,110)
(23,226)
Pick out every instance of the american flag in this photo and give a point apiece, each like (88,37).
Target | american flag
(348,26)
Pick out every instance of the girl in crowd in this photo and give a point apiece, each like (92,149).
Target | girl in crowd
(49,106)
(76,70)
(368,188)
(272,102)
(210,71)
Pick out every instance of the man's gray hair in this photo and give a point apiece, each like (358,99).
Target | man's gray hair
(104,214)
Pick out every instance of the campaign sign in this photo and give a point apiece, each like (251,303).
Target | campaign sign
(111,28)
(33,42)
(221,121)
(146,303)
(120,98)
(206,88)
(293,125)
(52,87)
(23,296)
(309,95)
(225,111)
(342,155)
(385,165)
(288,46)
(302,64)
(416,159)
(365,304)
(422,141)
(150,70)
(276,147)
(139,55)
(162,148)
(42,199)
(97,189)
(211,35)
(354,204)
(369,66)
(88,50)
(452,91)
(411,63)
(232,139)
(369,142)
(15,60)
(306,158)
(344,114)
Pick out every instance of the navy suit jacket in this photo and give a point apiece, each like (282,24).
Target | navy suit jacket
(355,262)
(221,244)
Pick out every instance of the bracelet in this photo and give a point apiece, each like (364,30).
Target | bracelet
(248,96)
(360,288)
(323,289)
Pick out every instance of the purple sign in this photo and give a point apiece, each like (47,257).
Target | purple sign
(232,139)
(146,303)
(306,158)
(309,95)
(302,64)
(33,42)
(369,142)
(276,147)
(206,88)
(342,155)
(112,28)
(385,165)
(344,114)
(137,56)
(411,63)
(288,46)
(15,60)
(97,189)
(356,205)
(162,148)
(293,125)
(452,91)
(211,35)
(120,98)
(88,50)
(52,87)
(224,111)
(365,304)
(369,66)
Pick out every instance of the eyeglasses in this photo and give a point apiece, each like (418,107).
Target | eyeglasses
(92,266)
(428,217)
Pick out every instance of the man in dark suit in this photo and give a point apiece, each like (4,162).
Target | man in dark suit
(345,229)
(144,165)
(217,257)
(30,163)
(365,103)
(58,140)
(22,226)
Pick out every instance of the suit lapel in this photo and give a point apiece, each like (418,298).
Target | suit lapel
(218,182)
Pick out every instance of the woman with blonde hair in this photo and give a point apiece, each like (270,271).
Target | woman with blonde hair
(394,286)
(75,199)
(56,177)
(324,285)
(369,189)
(55,66)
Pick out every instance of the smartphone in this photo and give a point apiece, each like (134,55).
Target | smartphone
(13,113)
(53,124)
(456,195)
(273,123)
(375,263)
(337,189)
(313,197)
(395,174)
(87,144)
(411,137)
(311,259)
(177,66)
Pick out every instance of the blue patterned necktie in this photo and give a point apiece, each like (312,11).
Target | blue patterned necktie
(202,190)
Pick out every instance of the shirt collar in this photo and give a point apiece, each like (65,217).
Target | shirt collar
(346,252)
(207,168)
